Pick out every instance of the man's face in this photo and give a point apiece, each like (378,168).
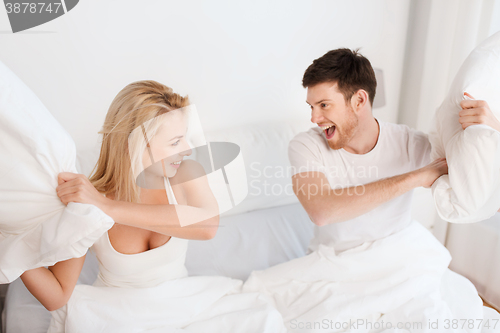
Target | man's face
(329,110)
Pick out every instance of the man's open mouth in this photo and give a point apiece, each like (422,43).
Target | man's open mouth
(329,131)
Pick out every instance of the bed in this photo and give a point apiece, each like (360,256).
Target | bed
(262,231)
(267,228)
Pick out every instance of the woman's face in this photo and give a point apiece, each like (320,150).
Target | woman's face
(168,146)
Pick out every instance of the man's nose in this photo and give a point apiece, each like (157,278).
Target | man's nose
(316,116)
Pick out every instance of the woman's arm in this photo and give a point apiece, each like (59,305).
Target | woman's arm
(53,286)
(197,219)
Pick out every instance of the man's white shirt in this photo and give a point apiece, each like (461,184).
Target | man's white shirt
(399,149)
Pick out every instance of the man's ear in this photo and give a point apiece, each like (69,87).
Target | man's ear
(359,99)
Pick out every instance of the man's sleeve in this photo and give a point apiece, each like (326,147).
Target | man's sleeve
(419,149)
(304,155)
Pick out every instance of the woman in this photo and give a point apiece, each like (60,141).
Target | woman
(142,282)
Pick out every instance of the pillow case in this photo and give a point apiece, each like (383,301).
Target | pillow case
(471,190)
(36,228)
(264,149)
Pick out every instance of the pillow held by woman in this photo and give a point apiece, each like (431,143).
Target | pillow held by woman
(36,228)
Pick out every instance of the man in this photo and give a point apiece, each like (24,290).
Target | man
(375,163)
(369,266)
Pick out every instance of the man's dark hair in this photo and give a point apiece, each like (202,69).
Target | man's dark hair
(349,69)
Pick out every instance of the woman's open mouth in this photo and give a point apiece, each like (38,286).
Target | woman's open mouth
(329,131)
(176,164)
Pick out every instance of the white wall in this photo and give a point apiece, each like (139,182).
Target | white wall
(240,61)
(441,35)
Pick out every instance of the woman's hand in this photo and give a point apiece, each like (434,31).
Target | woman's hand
(477,112)
(74,187)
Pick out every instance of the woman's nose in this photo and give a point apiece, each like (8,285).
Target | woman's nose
(187,150)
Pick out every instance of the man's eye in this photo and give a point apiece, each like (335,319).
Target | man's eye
(176,143)
(323,105)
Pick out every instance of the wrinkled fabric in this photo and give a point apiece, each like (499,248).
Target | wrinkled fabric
(402,278)
(471,190)
(36,229)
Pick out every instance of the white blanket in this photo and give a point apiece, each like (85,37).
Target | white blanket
(192,304)
(400,283)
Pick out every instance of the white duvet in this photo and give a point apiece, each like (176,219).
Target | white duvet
(471,190)
(400,283)
(199,304)
(36,229)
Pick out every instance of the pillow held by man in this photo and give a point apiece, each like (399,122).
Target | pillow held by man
(471,190)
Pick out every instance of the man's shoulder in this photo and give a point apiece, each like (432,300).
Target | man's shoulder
(307,149)
(397,128)
(308,145)
(405,131)
(414,142)
(311,136)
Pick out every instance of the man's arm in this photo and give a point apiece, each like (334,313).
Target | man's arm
(326,205)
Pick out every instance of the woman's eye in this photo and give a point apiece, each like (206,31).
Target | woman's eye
(176,143)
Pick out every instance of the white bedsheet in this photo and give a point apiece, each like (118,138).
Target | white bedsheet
(244,242)
(252,241)
(191,304)
(395,281)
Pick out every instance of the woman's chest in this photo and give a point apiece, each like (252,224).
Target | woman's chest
(131,240)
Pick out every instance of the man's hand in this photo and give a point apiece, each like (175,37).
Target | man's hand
(476,112)
(429,173)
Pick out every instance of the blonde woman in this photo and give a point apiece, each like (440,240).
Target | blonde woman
(159,201)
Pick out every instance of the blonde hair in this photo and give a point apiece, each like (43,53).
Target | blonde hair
(136,105)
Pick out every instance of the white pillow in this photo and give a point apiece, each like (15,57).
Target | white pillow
(36,229)
(471,190)
(264,150)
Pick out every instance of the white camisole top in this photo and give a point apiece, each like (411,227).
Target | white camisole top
(141,270)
